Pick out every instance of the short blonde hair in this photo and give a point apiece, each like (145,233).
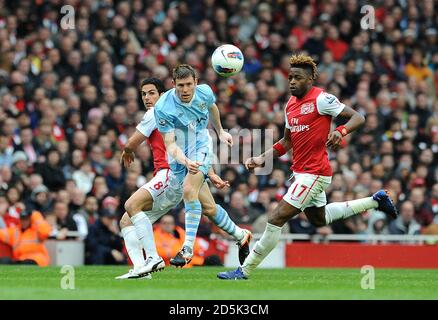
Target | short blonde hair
(305,62)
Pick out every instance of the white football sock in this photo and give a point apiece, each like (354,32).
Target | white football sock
(133,246)
(145,233)
(342,210)
(262,248)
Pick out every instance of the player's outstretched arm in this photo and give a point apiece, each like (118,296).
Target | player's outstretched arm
(277,150)
(216,122)
(176,153)
(127,156)
(356,120)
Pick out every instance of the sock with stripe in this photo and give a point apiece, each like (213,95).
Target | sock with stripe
(145,233)
(262,248)
(224,222)
(342,210)
(193,217)
(133,246)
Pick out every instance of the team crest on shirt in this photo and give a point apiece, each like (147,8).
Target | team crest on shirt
(192,125)
(162,122)
(202,105)
(307,108)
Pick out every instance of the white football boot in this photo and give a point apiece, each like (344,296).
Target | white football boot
(152,265)
(132,274)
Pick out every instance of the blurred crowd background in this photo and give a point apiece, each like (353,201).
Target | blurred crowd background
(69,100)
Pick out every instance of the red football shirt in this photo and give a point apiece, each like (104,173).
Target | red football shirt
(148,128)
(309,120)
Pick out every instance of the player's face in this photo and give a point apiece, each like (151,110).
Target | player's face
(299,81)
(185,88)
(149,95)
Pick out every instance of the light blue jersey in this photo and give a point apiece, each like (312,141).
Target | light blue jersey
(189,121)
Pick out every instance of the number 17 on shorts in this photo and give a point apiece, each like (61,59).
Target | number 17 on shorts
(307,190)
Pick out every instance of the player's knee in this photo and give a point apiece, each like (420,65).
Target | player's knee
(130,207)
(315,218)
(125,221)
(189,193)
(317,222)
(280,216)
(276,219)
(208,209)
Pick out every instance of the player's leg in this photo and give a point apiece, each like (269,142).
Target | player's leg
(133,246)
(281,214)
(302,191)
(192,205)
(141,206)
(219,216)
(321,215)
(136,207)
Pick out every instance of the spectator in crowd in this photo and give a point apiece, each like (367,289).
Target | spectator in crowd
(423,210)
(104,245)
(12,216)
(405,223)
(20,168)
(84,177)
(50,170)
(239,210)
(4,205)
(28,145)
(27,240)
(377,224)
(62,221)
(40,200)
(169,238)
(434,201)
(6,151)
(91,208)
(78,212)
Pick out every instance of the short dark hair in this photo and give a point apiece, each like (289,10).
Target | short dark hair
(156,82)
(183,71)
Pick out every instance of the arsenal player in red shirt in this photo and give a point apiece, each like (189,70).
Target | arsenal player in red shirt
(308,116)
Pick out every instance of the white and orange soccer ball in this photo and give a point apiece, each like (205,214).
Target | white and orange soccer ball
(227,60)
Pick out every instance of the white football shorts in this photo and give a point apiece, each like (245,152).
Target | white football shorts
(307,190)
(166,191)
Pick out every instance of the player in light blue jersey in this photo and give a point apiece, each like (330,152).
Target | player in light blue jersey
(182,116)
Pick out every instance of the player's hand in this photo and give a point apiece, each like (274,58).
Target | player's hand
(218,182)
(334,140)
(226,137)
(254,162)
(193,166)
(126,158)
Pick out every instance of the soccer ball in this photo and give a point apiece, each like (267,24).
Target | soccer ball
(227,60)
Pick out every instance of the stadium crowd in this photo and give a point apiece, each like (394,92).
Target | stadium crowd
(69,100)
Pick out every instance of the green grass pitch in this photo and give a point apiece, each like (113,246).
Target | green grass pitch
(201,283)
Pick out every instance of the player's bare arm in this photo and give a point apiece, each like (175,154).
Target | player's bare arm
(176,152)
(216,122)
(277,150)
(128,153)
(356,120)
